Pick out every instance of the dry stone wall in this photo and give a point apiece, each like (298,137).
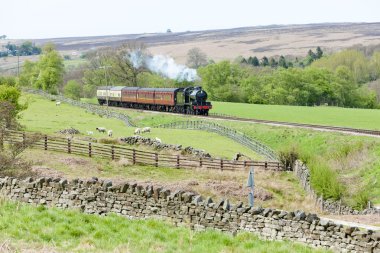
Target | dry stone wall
(333,207)
(135,201)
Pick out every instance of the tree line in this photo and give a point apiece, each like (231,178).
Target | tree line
(25,49)
(338,79)
(282,61)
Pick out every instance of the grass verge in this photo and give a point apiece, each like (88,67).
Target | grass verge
(67,230)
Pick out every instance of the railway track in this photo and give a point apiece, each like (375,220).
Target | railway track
(301,125)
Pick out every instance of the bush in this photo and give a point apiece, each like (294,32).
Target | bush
(72,90)
(288,157)
(325,181)
(361,199)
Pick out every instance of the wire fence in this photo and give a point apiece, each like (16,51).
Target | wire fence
(97,109)
(227,132)
(90,149)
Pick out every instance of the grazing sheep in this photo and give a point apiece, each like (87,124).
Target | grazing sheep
(138,131)
(101,129)
(58,103)
(158,140)
(109,133)
(146,130)
(90,132)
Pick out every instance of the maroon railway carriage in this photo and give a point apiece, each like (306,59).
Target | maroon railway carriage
(190,100)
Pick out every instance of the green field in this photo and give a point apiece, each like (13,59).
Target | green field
(44,116)
(335,159)
(24,227)
(321,115)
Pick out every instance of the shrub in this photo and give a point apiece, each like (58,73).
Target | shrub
(325,181)
(288,157)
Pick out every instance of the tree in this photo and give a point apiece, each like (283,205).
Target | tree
(50,67)
(282,62)
(272,62)
(255,62)
(72,90)
(264,61)
(319,52)
(196,58)
(11,95)
(29,74)
(127,62)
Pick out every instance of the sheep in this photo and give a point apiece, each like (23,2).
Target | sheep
(58,103)
(138,131)
(146,130)
(101,129)
(158,140)
(90,132)
(109,133)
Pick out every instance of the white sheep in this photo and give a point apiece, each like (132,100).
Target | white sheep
(138,131)
(146,130)
(101,129)
(90,132)
(110,132)
(58,103)
(158,140)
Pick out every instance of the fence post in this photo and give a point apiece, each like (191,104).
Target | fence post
(1,140)
(23,140)
(266,165)
(68,145)
(177,165)
(221,164)
(89,149)
(156,159)
(46,142)
(200,161)
(112,152)
(244,164)
(134,156)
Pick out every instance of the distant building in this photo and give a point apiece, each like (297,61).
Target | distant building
(168,30)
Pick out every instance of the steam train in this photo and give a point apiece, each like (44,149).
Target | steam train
(189,100)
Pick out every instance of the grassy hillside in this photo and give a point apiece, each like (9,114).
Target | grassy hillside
(26,227)
(44,116)
(336,160)
(321,115)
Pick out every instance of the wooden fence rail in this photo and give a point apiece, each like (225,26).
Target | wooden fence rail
(91,149)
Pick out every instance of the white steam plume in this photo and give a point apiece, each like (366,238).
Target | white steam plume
(163,65)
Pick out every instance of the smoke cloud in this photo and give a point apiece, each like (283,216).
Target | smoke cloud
(163,65)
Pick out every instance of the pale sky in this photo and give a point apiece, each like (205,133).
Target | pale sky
(67,18)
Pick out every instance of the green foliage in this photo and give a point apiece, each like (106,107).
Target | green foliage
(11,95)
(51,69)
(222,81)
(72,90)
(46,74)
(8,80)
(325,181)
(354,60)
(26,48)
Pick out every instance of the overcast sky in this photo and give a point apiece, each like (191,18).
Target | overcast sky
(65,18)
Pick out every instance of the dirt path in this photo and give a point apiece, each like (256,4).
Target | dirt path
(359,221)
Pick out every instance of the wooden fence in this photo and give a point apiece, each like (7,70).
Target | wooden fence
(90,149)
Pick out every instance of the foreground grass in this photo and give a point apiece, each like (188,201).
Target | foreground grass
(321,115)
(68,230)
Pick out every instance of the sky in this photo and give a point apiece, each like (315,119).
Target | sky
(31,19)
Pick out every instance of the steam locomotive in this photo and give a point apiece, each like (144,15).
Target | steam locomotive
(189,100)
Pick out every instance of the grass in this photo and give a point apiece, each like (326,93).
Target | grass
(336,160)
(44,116)
(73,63)
(26,226)
(284,188)
(321,115)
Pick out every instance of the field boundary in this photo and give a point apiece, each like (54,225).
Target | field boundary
(239,137)
(90,149)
